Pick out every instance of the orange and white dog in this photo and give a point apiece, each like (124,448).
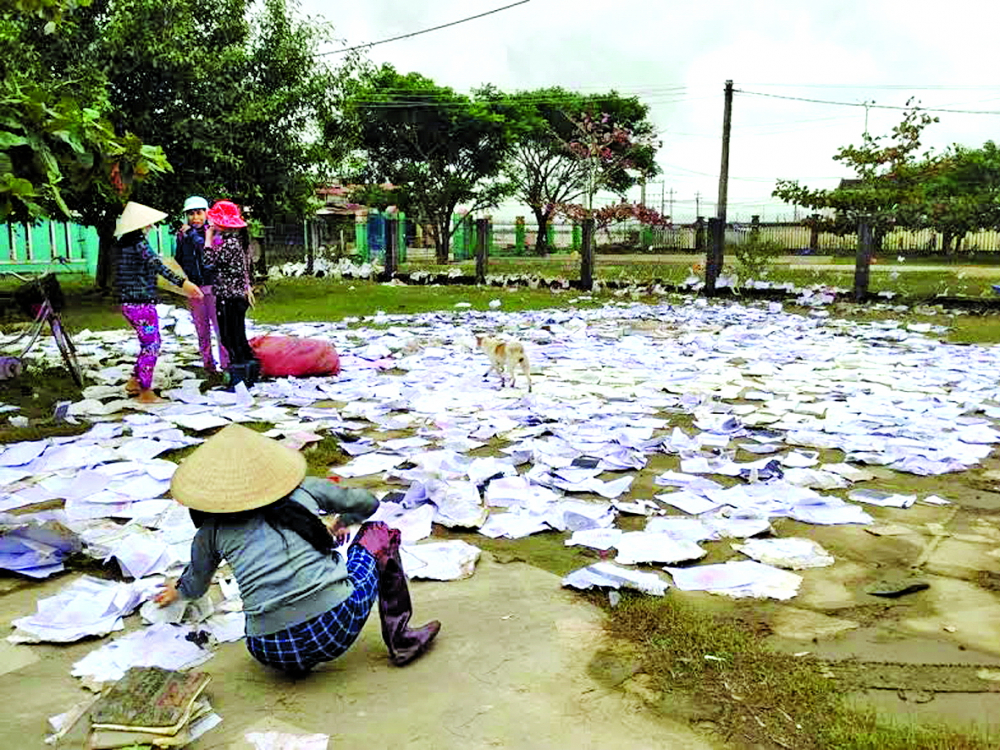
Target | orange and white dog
(506,357)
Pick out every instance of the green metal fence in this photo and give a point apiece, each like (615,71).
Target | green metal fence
(33,247)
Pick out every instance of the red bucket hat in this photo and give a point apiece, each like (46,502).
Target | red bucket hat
(226,215)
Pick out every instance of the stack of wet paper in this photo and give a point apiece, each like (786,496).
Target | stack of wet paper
(151,706)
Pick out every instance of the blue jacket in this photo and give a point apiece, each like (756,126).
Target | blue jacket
(190,255)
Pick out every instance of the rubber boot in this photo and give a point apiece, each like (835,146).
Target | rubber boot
(395,608)
(253,372)
(394,605)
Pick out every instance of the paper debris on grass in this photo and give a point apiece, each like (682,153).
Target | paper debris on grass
(740,579)
(599,539)
(609,575)
(36,550)
(792,553)
(883,499)
(651,547)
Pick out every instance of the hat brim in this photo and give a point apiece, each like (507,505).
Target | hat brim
(237,469)
(136,216)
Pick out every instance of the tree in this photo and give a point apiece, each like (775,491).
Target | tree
(887,192)
(605,216)
(443,148)
(56,142)
(548,166)
(51,11)
(228,88)
(962,193)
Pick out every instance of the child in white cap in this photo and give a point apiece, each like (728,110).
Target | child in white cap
(190,255)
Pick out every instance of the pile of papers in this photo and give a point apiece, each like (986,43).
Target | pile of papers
(152,706)
(86,607)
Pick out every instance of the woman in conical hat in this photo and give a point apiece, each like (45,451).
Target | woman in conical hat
(135,282)
(305,603)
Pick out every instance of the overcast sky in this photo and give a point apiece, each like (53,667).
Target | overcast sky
(677,56)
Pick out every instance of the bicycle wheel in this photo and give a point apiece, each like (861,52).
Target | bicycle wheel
(67,350)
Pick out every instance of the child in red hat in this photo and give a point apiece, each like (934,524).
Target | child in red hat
(226,251)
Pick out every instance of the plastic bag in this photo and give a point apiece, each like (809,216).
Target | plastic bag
(287,356)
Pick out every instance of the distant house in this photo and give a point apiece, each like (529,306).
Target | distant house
(336,203)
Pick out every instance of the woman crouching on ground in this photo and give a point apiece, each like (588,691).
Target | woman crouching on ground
(305,604)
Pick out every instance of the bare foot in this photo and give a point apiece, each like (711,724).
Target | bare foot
(132,387)
(148,397)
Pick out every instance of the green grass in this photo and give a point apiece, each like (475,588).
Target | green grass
(756,697)
(305,299)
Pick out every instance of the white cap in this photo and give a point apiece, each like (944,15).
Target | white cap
(194,203)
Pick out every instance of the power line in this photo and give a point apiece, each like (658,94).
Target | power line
(872,106)
(881,87)
(423,31)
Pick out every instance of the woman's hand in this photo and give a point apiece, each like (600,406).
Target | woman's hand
(168,596)
(250,298)
(192,290)
(339,531)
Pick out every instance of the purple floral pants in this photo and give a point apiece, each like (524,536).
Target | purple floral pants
(143,318)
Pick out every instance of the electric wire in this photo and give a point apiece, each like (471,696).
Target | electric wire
(422,31)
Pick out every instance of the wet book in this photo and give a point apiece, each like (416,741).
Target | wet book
(149,699)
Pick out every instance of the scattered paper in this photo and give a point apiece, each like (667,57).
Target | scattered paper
(791,553)
(741,579)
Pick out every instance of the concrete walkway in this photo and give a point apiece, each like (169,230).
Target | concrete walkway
(509,670)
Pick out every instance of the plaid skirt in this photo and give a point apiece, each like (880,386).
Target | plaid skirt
(325,637)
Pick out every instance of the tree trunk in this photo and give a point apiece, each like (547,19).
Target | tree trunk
(442,241)
(946,242)
(542,238)
(958,242)
(107,257)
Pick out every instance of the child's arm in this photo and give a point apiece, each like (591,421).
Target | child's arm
(353,505)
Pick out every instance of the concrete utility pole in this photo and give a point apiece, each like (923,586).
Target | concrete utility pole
(866,105)
(663,191)
(671,214)
(697,204)
(716,251)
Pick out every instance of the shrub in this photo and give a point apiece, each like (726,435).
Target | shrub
(756,256)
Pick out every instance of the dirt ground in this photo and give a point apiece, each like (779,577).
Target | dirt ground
(510,669)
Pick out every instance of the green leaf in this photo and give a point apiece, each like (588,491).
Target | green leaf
(10,140)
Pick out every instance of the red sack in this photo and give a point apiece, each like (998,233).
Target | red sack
(284,356)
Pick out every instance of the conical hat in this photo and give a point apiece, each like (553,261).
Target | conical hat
(237,469)
(136,216)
